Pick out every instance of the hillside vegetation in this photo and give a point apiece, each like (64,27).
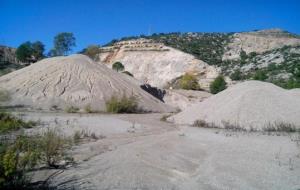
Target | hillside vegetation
(280,65)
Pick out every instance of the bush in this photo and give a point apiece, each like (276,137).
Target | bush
(118,66)
(53,147)
(189,82)
(15,160)
(260,75)
(71,109)
(92,51)
(218,85)
(19,156)
(236,75)
(122,105)
(8,122)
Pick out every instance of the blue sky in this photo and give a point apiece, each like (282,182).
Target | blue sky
(99,21)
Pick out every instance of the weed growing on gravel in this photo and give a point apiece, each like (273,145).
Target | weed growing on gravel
(71,109)
(281,127)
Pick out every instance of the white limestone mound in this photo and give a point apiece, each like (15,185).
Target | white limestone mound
(155,63)
(251,104)
(73,81)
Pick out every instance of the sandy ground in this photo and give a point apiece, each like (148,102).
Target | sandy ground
(142,152)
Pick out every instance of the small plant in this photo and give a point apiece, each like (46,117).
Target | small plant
(88,109)
(122,105)
(189,82)
(218,85)
(4,95)
(53,147)
(71,109)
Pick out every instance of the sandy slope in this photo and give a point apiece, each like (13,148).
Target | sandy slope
(249,104)
(73,81)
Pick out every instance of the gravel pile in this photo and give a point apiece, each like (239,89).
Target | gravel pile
(251,104)
(75,80)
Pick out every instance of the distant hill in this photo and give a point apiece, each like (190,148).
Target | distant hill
(8,60)
(272,53)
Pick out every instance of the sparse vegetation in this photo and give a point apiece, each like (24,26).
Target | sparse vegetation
(122,105)
(19,156)
(4,96)
(71,109)
(92,51)
(218,85)
(189,82)
(8,123)
(53,147)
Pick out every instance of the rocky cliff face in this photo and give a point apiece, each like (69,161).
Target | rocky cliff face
(259,42)
(156,64)
(8,54)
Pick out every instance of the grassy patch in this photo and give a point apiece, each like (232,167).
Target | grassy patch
(122,105)
(8,122)
(26,153)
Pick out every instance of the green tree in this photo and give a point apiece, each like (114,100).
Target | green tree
(189,82)
(218,85)
(63,43)
(30,52)
(118,66)
(24,52)
(38,49)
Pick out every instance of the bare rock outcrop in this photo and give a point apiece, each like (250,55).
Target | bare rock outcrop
(75,81)
(259,42)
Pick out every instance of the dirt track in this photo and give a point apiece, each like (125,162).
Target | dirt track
(141,152)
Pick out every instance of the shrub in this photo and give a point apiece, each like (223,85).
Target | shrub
(218,85)
(189,82)
(88,109)
(8,122)
(53,147)
(118,66)
(71,109)
(15,160)
(260,75)
(92,51)
(122,105)
(236,75)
